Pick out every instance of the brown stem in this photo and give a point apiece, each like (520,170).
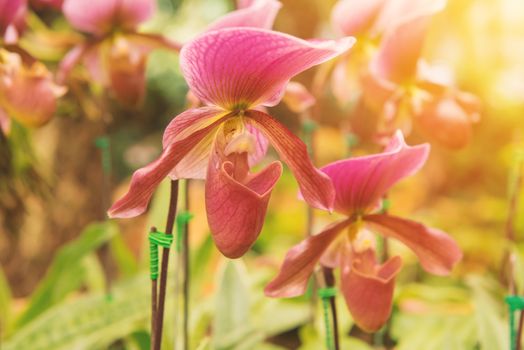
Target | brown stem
(186,257)
(154,298)
(159,321)
(329,278)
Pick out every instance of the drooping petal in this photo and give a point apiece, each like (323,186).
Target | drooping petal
(300,262)
(355,17)
(242,67)
(5,123)
(362,181)
(297,98)
(368,288)
(436,250)
(146,179)
(236,208)
(316,188)
(12,20)
(94,16)
(195,163)
(259,14)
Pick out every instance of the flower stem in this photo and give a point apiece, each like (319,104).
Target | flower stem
(329,279)
(186,256)
(159,319)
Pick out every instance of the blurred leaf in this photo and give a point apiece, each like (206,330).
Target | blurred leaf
(66,272)
(94,280)
(489,304)
(126,262)
(311,339)
(5,302)
(231,323)
(142,339)
(89,322)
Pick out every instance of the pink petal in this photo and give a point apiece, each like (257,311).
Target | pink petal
(259,14)
(361,182)
(8,12)
(300,262)
(355,17)
(236,208)
(244,3)
(195,163)
(133,12)
(70,60)
(261,145)
(437,251)
(368,289)
(94,16)
(145,180)
(241,67)
(5,123)
(315,186)
(297,98)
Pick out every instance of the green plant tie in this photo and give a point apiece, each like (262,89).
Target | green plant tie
(325,294)
(181,221)
(157,239)
(515,303)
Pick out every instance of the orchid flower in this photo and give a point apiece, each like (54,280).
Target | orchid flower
(368,21)
(233,71)
(402,87)
(115,53)
(12,16)
(367,286)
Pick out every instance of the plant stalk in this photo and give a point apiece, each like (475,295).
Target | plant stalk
(159,319)
(329,279)
(186,264)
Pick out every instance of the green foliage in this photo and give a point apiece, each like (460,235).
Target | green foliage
(67,272)
(91,321)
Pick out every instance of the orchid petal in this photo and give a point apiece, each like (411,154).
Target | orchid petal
(362,181)
(368,288)
(195,163)
(242,67)
(5,123)
(315,186)
(297,98)
(300,262)
(94,16)
(259,14)
(133,12)
(146,179)
(261,145)
(355,17)
(236,208)
(8,12)
(436,250)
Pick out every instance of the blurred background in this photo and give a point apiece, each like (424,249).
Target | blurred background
(57,181)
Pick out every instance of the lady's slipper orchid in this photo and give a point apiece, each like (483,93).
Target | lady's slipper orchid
(403,88)
(360,185)
(12,16)
(27,92)
(233,71)
(115,54)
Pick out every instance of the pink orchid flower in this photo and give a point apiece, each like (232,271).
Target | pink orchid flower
(56,4)
(367,286)
(27,92)
(369,21)
(12,20)
(115,53)
(406,91)
(233,71)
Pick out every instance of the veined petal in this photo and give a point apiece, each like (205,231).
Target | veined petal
(362,181)
(94,16)
(261,145)
(259,14)
(236,208)
(146,179)
(195,163)
(300,263)
(368,288)
(315,186)
(437,251)
(355,17)
(242,67)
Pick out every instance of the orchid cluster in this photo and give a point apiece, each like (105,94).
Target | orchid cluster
(237,69)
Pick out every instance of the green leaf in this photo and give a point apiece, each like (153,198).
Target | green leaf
(5,302)
(92,321)
(126,262)
(66,273)
(231,323)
